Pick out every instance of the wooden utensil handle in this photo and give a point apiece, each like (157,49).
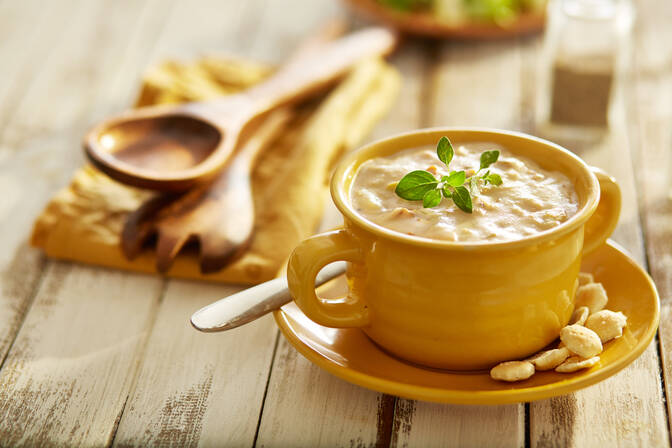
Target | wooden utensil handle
(306,74)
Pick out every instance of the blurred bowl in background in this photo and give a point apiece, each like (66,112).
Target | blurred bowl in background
(462,19)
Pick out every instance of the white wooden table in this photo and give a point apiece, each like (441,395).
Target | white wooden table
(96,357)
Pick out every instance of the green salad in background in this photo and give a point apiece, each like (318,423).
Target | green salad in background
(460,11)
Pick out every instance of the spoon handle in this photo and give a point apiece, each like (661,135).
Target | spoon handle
(310,72)
(252,303)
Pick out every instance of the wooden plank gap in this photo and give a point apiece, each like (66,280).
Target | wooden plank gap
(115,427)
(386,409)
(634,124)
(139,355)
(661,373)
(528,436)
(27,305)
(268,381)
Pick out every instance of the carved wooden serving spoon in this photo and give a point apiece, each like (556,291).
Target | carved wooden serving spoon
(219,216)
(172,148)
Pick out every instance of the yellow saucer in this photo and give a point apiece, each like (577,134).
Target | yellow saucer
(350,355)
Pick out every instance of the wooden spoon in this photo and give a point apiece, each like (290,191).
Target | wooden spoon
(219,216)
(172,148)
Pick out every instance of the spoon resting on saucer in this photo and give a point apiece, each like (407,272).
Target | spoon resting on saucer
(253,303)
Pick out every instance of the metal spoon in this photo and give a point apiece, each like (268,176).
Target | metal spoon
(252,303)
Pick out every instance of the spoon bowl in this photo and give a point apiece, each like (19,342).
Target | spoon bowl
(166,148)
(166,144)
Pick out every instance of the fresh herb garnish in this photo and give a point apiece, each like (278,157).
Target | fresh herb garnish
(422,186)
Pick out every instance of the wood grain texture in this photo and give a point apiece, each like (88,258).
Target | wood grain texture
(22,48)
(39,148)
(307,407)
(20,267)
(628,408)
(437,425)
(477,84)
(195,388)
(66,377)
(77,347)
(495,68)
(650,118)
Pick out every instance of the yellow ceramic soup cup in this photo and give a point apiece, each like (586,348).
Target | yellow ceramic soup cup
(456,305)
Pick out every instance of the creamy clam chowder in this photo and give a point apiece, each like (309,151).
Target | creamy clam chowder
(530,199)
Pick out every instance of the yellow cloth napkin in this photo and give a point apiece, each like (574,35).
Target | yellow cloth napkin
(83,222)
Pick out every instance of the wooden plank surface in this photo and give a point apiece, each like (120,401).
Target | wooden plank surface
(76,350)
(20,267)
(22,48)
(39,148)
(627,409)
(195,388)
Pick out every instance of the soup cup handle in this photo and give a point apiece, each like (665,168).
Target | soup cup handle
(603,222)
(309,257)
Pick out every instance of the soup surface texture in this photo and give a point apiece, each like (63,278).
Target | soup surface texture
(530,199)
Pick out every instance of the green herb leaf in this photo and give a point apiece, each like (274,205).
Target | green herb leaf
(446,192)
(488,158)
(415,184)
(462,199)
(494,179)
(445,150)
(431,199)
(455,179)
(423,186)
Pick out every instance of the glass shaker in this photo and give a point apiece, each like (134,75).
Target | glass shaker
(585,59)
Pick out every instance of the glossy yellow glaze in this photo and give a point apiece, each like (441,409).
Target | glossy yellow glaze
(464,305)
(351,355)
